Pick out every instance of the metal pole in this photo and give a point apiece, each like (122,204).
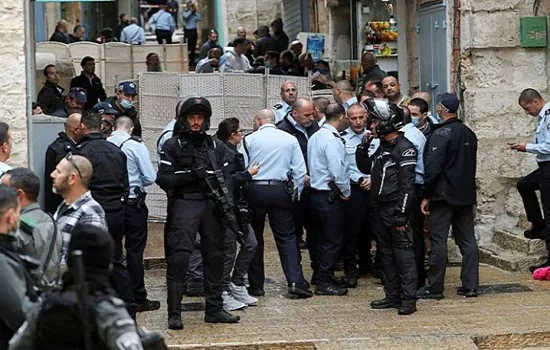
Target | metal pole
(30,74)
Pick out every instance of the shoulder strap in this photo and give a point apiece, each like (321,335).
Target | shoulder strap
(123,142)
(52,243)
(162,135)
(246,147)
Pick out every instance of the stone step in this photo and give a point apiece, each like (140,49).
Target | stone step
(492,254)
(513,239)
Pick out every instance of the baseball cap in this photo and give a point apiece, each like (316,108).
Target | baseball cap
(104,108)
(128,88)
(79,94)
(449,101)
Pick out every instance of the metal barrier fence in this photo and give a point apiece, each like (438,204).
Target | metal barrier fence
(115,61)
(237,95)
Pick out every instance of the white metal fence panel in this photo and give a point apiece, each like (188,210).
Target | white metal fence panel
(244,94)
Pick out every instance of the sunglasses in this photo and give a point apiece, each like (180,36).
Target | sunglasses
(69,158)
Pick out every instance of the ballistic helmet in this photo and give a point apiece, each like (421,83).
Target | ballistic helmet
(194,105)
(390,117)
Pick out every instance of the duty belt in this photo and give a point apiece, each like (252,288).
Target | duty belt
(268,182)
(193,196)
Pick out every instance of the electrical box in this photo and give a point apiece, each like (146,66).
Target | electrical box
(533,31)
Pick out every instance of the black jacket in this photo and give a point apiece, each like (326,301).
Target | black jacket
(234,159)
(282,40)
(392,169)
(109,184)
(60,37)
(130,113)
(181,156)
(287,126)
(450,159)
(55,152)
(94,90)
(50,99)
(264,44)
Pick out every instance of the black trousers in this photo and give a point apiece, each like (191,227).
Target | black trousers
(135,222)
(396,249)
(191,37)
(184,219)
(120,278)
(538,180)
(331,233)
(356,225)
(417,226)
(276,203)
(163,36)
(442,216)
(236,264)
(365,239)
(305,218)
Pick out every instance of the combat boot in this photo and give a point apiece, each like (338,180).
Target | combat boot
(385,303)
(174,293)
(221,316)
(408,307)
(174,322)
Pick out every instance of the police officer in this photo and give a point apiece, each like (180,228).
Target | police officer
(330,186)
(272,193)
(16,294)
(108,115)
(534,105)
(65,142)
(301,124)
(449,193)
(235,295)
(51,323)
(187,159)
(109,186)
(289,93)
(123,103)
(141,174)
(357,216)
(392,170)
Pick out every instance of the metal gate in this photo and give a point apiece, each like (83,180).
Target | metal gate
(432,50)
(292,18)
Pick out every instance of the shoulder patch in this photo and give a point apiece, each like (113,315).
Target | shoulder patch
(411,152)
(343,133)
(547,112)
(136,138)
(278,106)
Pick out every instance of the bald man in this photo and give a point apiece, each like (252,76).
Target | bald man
(289,93)
(371,71)
(60,33)
(392,90)
(343,94)
(272,191)
(64,143)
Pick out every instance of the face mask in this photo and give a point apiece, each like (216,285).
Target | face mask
(268,65)
(126,104)
(415,121)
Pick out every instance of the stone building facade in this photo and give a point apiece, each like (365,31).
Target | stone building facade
(12,77)
(250,14)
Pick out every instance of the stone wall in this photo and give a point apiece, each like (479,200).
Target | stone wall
(494,72)
(250,14)
(12,77)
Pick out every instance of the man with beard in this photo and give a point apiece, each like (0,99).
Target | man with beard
(187,163)
(211,63)
(153,62)
(392,91)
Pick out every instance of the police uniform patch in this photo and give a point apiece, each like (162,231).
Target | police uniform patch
(547,112)
(278,106)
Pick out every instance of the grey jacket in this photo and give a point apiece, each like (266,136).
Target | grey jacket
(38,244)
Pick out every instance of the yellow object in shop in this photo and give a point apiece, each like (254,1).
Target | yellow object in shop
(386,50)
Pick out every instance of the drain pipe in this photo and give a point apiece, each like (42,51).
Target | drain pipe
(455,73)
(30,72)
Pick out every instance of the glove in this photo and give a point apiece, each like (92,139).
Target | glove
(400,220)
(200,172)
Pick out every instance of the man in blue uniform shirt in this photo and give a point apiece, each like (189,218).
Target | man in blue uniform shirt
(534,105)
(289,93)
(164,25)
(343,94)
(271,193)
(330,183)
(140,174)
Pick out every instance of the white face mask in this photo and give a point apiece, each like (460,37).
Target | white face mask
(415,121)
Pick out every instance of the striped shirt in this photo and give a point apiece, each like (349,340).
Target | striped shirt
(85,210)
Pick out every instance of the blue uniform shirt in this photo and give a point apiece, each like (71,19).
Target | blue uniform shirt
(541,145)
(327,160)
(418,139)
(347,104)
(133,34)
(190,19)
(352,141)
(298,126)
(163,20)
(278,152)
(280,110)
(140,169)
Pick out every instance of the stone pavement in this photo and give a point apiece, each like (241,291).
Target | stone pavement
(500,321)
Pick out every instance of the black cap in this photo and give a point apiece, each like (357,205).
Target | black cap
(96,244)
(449,101)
